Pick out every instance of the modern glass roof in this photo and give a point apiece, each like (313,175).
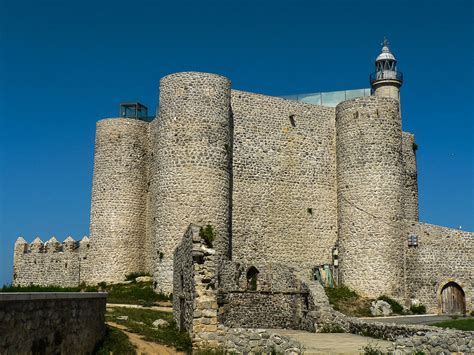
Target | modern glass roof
(331,98)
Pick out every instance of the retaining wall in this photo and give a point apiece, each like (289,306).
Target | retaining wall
(51,323)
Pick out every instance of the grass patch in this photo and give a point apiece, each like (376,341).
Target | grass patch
(331,328)
(141,293)
(135,293)
(348,302)
(115,342)
(140,321)
(461,324)
(396,307)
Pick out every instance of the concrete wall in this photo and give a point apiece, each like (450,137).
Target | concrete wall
(51,263)
(442,255)
(284,181)
(370,178)
(119,191)
(190,165)
(51,323)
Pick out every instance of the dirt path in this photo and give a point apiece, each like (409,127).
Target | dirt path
(144,347)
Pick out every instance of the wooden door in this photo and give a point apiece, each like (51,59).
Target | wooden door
(453,299)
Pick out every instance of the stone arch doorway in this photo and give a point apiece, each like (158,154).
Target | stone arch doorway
(453,299)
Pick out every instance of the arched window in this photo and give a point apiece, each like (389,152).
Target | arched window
(252,275)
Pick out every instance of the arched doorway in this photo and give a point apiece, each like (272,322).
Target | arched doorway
(453,299)
(252,275)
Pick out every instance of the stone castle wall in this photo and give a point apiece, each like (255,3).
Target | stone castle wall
(119,196)
(51,323)
(442,255)
(190,180)
(410,189)
(370,177)
(284,181)
(51,263)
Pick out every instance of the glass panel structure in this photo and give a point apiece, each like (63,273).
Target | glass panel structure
(331,98)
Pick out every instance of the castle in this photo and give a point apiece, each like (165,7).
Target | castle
(284,184)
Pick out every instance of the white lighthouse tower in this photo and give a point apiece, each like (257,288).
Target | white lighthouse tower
(386,80)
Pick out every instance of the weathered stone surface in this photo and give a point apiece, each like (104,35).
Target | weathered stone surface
(144,279)
(380,308)
(51,323)
(160,323)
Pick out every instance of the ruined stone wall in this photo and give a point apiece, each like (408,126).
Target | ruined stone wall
(190,165)
(410,188)
(278,300)
(284,181)
(119,197)
(51,263)
(51,323)
(442,255)
(370,180)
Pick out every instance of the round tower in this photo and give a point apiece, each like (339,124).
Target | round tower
(370,194)
(191,148)
(386,80)
(118,211)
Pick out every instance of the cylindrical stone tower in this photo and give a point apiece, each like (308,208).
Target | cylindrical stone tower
(190,165)
(119,195)
(370,195)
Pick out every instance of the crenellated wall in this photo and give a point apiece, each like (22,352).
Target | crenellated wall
(51,263)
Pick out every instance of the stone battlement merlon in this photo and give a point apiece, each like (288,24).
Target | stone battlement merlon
(52,245)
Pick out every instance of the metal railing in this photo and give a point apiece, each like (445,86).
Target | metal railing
(386,75)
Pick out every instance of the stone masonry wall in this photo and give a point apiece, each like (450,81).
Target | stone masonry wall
(51,323)
(284,181)
(195,308)
(410,189)
(280,299)
(191,150)
(119,197)
(442,255)
(51,263)
(370,179)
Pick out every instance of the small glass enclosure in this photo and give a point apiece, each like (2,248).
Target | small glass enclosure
(133,110)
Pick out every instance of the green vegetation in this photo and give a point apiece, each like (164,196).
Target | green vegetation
(461,324)
(420,309)
(331,328)
(140,321)
(208,234)
(396,307)
(132,276)
(115,342)
(141,293)
(348,302)
(371,349)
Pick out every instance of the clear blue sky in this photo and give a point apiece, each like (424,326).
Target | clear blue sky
(66,64)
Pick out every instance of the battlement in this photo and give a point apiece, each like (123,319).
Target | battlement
(50,263)
(52,245)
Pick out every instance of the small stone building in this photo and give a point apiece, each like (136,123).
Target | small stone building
(289,186)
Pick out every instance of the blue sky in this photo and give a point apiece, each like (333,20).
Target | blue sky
(66,64)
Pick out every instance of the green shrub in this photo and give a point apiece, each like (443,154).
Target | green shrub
(472,313)
(371,349)
(396,307)
(208,235)
(341,293)
(132,276)
(419,309)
